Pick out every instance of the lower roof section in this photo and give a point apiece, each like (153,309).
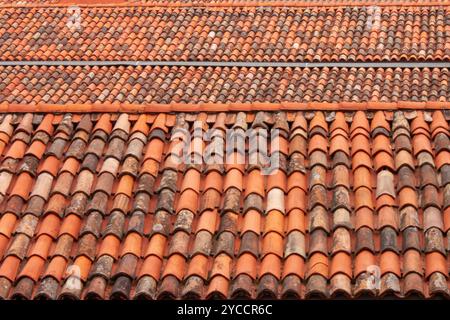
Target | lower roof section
(107,206)
(258,33)
(193,85)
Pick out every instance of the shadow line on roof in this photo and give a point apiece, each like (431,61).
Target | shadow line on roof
(249,64)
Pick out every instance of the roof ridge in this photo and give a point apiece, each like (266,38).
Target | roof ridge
(236,4)
(221,107)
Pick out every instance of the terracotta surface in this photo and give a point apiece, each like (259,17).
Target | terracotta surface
(220,3)
(226,34)
(98,200)
(151,108)
(103,212)
(79,86)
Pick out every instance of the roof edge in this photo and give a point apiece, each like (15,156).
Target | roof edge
(221,107)
(231,64)
(250,4)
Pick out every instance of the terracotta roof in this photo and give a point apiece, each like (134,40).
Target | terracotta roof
(100,194)
(78,85)
(105,191)
(170,108)
(226,34)
(227,3)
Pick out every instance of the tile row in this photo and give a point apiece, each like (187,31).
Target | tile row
(28,2)
(225,34)
(222,2)
(118,206)
(190,85)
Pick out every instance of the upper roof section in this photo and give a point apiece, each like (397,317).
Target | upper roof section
(135,207)
(242,3)
(353,33)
